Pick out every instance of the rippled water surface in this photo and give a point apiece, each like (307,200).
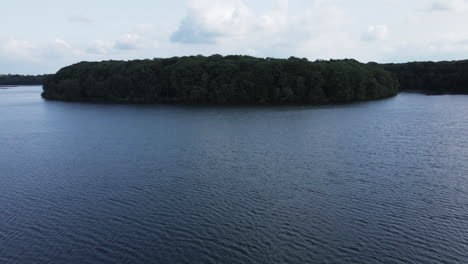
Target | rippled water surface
(379,182)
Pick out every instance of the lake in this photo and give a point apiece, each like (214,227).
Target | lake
(376,182)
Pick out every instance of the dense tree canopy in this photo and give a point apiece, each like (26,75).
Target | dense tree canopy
(432,77)
(10,79)
(222,80)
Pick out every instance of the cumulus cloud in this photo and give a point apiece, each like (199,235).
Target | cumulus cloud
(234,24)
(209,22)
(375,32)
(192,31)
(206,21)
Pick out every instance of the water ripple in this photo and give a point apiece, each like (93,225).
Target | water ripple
(381,182)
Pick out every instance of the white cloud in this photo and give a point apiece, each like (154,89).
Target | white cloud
(100,47)
(128,42)
(440,47)
(62,43)
(207,21)
(375,32)
(16,48)
(56,49)
(236,27)
(29,51)
(20,56)
(395,30)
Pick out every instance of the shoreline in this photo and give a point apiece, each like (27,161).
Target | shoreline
(192,104)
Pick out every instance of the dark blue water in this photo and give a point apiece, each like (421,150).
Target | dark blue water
(379,182)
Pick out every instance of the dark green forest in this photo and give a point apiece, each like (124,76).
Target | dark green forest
(432,77)
(247,80)
(222,80)
(15,79)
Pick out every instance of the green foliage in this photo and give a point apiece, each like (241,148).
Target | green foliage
(432,77)
(222,80)
(11,79)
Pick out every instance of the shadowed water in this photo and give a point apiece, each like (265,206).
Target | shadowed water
(379,182)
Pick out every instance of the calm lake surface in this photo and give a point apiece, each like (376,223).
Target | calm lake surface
(378,182)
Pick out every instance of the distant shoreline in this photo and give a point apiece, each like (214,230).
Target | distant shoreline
(18,85)
(22,80)
(6,87)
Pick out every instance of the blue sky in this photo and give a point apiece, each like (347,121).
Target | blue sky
(43,36)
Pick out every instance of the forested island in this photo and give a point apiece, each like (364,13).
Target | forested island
(222,80)
(16,79)
(248,80)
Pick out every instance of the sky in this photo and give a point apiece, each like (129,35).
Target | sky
(43,36)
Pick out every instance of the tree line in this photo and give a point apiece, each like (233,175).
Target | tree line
(222,80)
(16,79)
(432,77)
